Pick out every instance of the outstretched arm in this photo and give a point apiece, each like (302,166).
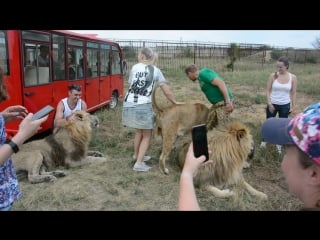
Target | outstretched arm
(168,93)
(59,119)
(27,129)
(223,89)
(187,195)
(293,93)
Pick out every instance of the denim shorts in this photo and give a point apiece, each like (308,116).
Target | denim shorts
(140,116)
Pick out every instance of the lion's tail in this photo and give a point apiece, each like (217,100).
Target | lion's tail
(154,102)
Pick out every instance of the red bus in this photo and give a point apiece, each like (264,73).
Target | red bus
(94,63)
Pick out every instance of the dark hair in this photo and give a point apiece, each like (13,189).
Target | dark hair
(191,68)
(284,60)
(74,87)
(3,89)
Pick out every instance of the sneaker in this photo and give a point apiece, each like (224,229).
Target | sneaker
(145,158)
(263,144)
(278,148)
(141,167)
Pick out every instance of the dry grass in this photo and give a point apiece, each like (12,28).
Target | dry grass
(113,186)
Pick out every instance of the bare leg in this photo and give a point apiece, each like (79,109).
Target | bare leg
(137,142)
(144,144)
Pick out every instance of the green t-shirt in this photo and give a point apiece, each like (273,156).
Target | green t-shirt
(212,92)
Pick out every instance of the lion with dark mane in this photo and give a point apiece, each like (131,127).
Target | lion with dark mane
(66,147)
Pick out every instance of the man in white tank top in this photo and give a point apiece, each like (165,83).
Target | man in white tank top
(69,105)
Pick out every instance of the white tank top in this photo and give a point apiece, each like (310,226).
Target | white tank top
(280,93)
(67,111)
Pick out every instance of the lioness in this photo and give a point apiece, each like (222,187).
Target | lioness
(176,120)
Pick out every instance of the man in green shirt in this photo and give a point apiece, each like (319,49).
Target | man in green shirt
(216,91)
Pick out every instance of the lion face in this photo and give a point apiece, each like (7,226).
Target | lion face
(81,116)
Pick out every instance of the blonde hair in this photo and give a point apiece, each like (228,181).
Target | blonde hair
(150,57)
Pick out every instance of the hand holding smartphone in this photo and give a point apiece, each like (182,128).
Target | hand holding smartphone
(42,112)
(199,139)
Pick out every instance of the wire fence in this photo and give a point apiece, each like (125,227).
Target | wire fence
(176,55)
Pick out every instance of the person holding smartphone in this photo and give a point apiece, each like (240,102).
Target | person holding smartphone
(9,187)
(187,195)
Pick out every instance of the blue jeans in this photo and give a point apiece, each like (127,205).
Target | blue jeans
(282,110)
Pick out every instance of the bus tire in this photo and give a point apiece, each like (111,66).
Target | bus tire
(114,101)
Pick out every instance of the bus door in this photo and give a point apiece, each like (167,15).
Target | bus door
(37,90)
(116,72)
(92,76)
(105,77)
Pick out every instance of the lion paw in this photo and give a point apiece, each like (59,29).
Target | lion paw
(95,154)
(246,164)
(227,193)
(165,171)
(58,173)
(263,196)
(50,178)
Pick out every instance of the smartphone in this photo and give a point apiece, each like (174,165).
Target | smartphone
(199,139)
(42,112)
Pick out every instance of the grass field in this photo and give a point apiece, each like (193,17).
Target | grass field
(113,186)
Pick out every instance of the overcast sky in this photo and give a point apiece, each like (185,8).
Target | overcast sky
(273,38)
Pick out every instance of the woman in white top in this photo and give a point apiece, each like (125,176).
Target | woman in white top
(137,106)
(281,93)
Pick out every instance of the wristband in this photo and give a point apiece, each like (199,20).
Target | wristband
(13,145)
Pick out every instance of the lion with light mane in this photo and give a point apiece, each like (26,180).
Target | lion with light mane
(229,147)
(66,147)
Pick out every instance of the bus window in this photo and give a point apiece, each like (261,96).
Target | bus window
(116,61)
(80,68)
(42,60)
(105,61)
(36,64)
(75,54)
(58,64)
(3,53)
(71,65)
(75,63)
(92,58)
